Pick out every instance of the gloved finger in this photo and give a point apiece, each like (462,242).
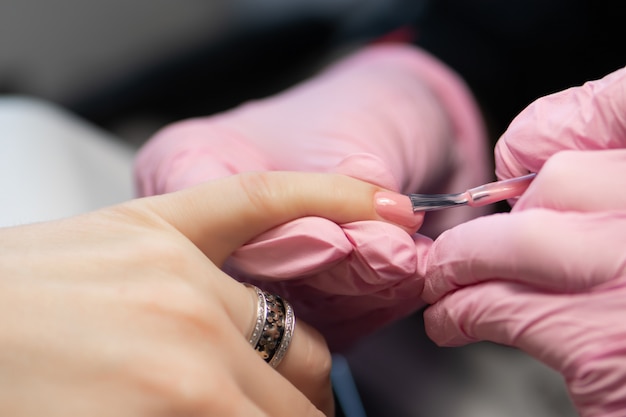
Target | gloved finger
(383,100)
(579,181)
(307,246)
(380,281)
(579,335)
(369,168)
(380,254)
(589,117)
(391,257)
(486,311)
(393,101)
(564,251)
(365,314)
(193,151)
(346,319)
(301,247)
(550,327)
(221,215)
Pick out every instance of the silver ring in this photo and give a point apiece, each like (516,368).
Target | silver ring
(261,314)
(274,327)
(290,324)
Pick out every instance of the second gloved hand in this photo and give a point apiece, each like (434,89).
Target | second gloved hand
(390,115)
(549,277)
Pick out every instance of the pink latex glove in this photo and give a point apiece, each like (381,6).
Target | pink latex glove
(549,277)
(389,114)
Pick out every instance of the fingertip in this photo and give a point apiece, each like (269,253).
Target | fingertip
(432,324)
(430,295)
(506,163)
(441,329)
(389,205)
(396,208)
(439,278)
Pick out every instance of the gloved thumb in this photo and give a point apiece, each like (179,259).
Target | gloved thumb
(579,181)
(589,117)
(549,250)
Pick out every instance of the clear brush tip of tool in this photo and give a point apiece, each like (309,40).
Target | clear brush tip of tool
(430,202)
(475,197)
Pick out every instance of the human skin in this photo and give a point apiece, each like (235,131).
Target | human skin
(126,312)
(389,114)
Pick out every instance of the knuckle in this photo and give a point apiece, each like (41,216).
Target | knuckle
(189,394)
(185,374)
(170,253)
(185,380)
(316,359)
(185,386)
(561,165)
(172,303)
(258,188)
(180,299)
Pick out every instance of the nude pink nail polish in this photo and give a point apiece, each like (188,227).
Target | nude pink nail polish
(396,208)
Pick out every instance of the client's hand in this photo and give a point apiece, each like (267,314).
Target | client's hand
(550,277)
(125,311)
(390,115)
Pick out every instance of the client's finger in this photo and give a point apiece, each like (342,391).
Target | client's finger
(306,362)
(307,365)
(280,394)
(222,215)
(277,338)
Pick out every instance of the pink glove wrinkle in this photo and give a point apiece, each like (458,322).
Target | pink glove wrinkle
(549,277)
(580,118)
(389,114)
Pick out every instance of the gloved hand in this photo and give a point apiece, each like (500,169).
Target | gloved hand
(549,277)
(390,115)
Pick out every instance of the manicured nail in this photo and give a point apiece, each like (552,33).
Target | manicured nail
(396,208)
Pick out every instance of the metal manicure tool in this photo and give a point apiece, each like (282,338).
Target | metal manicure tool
(474,197)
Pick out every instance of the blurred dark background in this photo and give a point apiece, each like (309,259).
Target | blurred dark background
(132,67)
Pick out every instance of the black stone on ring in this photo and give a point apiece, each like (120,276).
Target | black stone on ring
(278,323)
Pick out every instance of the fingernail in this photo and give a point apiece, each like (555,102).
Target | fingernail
(397,209)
